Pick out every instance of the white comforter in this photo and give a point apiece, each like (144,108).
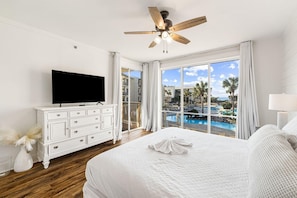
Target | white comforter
(214,166)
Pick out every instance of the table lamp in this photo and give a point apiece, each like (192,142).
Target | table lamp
(283,103)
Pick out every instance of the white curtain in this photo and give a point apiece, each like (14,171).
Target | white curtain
(247,119)
(150,97)
(117,94)
(145,89)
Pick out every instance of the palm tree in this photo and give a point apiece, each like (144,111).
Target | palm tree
(231,84)
(200,90)
(187,94)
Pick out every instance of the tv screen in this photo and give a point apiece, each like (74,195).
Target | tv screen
(68,87)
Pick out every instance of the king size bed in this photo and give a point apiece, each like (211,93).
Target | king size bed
(204,165)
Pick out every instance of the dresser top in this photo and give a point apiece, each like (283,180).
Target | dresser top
(51,108)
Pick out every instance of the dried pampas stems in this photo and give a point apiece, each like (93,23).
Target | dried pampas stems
(9,136)
(34,133)
(29,139)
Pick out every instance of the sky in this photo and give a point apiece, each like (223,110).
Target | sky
(194,74)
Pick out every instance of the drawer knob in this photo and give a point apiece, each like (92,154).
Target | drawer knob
(77,113)
(75,121)
(92,137)
(75,131)
(81,140)
(94,111)
(58,115)
(55,147)
(96,119)
(96,127)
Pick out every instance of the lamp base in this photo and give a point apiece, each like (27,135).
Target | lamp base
(282,119)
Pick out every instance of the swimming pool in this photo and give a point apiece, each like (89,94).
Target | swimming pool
(222,125)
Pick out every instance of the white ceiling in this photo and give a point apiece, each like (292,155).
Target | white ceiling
(101,23)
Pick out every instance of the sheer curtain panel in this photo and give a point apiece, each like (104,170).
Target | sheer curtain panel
(145,80)
(150,102)
(117,94)
(247,108)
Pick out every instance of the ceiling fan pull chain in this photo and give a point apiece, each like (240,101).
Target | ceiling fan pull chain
(166,47)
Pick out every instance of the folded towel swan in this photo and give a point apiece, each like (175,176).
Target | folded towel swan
(172,145)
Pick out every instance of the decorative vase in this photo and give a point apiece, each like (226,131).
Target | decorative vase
(23,160)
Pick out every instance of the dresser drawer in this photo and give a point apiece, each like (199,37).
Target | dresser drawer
(77,132)
(84,121)
(106,110)
(100,137)
(93,111)
(77,113)
(56,115)
(106,135)
(93,138)
(67,146)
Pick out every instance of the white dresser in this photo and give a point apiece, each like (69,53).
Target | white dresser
(69,129)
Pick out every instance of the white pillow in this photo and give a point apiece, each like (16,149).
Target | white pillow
(261,133)
(291,126)
(272,168)
(292,139)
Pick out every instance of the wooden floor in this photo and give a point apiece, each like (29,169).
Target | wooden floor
(64,177)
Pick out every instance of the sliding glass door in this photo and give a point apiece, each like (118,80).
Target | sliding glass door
(195,97)
(131,98)
(224,92)
(171,83)
(201,97)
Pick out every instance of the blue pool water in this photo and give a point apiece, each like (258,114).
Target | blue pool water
(222,125)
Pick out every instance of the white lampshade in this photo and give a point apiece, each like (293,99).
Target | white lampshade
(283,102)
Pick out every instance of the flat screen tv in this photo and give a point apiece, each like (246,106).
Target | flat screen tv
(69,87)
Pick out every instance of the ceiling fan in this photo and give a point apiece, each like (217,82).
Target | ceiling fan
(166,30)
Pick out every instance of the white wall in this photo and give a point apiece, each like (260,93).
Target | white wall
(268,60)
(289,77)
(27,56)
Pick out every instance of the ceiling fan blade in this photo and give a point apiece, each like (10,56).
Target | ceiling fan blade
(157,17)
(153,44)
(141,32)
(179,38)
(188,24)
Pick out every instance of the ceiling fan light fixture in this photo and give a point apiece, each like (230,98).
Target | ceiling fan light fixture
(158,39)
(169,39)
(165,35)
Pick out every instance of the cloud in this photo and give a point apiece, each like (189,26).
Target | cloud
(201,78)
(232,66)
(231,75)
(193,71)
(222,76)
(211,69)
(165,80)
(174,81)
(191,74)
(190,84)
